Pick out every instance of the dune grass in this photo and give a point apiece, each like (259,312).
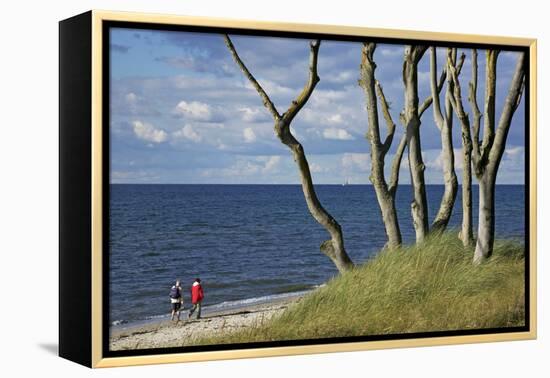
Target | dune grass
(429,287)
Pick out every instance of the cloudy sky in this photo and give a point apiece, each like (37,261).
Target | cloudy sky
(182,112)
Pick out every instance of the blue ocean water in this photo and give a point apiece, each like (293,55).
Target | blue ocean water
(250,242)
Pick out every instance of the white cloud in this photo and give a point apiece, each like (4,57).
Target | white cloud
(316,168)
(271,88)
(131,98)
(355,162)
(342,77)
(249,136)
(194,110)
(335,119)
(271,164)
(322,97)
(514,157)
(147,132)
(246,166)
(313,131)
(249,114)
(133,176)
(434,159)
(337,134)
(187,132)
(514,152)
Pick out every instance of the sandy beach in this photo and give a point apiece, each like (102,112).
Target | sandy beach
(166,333)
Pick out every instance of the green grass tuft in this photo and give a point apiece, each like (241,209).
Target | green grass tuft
(428,287)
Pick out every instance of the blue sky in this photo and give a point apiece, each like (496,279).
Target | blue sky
(182,112)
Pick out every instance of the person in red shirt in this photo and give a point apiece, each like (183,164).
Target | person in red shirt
(196,298)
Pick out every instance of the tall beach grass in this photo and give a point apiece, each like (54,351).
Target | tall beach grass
(432,286)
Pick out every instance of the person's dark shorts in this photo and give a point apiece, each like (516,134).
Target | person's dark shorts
(176,306)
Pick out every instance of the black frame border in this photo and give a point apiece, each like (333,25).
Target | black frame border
(107,25)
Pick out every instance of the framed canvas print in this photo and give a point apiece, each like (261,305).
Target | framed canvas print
(234,189)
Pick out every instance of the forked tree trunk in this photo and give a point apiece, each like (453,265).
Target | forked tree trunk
(419,206)
(466,233)
(333,248)
(378,151)
(488,154)
(497,143)
(445,126)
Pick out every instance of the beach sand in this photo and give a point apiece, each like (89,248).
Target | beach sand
(167,334)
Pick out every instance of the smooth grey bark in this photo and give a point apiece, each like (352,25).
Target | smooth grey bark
(411,120)
(486,226)
(466,231)
(333,248)
(445,125)
(378,151)
(487,157)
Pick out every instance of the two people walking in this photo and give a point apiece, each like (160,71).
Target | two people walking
(176,299)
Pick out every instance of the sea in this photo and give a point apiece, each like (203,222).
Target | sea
(251,243)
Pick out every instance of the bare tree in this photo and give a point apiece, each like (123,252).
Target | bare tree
(466,232)
(385,193)
(333,248)
(488,154)
(445,126)
(411,119)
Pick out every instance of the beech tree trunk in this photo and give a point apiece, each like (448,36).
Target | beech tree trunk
(488,154)
(334,247)
(419,206)
(495,145)
(486,226)
(445,126)
(466,233)
(378,150)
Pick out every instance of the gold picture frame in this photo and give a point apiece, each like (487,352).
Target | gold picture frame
(87,271)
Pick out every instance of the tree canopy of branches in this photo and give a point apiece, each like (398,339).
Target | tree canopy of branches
(482,155)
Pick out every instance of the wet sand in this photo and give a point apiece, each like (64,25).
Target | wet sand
(166,333)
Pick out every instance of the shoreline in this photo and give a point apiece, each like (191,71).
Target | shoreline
(166,333)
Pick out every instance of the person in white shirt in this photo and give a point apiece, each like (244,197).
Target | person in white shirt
(176,299)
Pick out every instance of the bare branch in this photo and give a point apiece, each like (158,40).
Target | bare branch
(520,94)
(367,82)
(265,98)
(313,79)
(428,101)
(416,52)
(419,204)
(396,165)
(451,55)
(438,116)
(387,117)
(456,96)
(510,105)
(378,151)
(490,101)
(472,98)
